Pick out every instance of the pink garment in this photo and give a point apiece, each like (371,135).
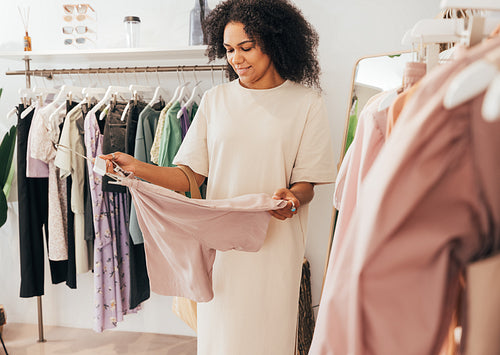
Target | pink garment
(367,143)
(35,168)
(429,205)
(414,71)
(181,235)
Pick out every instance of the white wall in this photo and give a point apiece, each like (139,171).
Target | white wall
(347,29)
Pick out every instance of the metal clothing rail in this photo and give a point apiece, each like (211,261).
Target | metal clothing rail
(49,73)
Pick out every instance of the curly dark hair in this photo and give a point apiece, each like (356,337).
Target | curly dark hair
(279,28)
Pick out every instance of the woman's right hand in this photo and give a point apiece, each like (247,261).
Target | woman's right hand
(125,161)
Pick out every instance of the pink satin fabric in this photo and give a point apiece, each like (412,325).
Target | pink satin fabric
(181,235)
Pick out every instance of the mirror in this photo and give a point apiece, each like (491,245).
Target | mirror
(370,76)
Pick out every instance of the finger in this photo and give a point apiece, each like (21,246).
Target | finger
(284,213)
(106,157)
(277,215)
(109,167)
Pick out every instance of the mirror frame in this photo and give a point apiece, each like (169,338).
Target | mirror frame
(342,152)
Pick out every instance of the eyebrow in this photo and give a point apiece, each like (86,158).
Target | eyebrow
(239,44)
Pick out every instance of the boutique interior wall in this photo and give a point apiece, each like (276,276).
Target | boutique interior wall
(348,30)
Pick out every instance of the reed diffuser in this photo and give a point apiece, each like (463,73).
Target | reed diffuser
(25,17)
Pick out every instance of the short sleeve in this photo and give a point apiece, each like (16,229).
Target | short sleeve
(193,151)
(315,161)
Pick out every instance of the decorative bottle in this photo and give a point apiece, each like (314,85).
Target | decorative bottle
(196,17)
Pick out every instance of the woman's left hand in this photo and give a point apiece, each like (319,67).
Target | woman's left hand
(291,207)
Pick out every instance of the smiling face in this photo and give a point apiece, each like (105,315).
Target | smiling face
(254,68)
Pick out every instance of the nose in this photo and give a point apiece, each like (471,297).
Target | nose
(237,57)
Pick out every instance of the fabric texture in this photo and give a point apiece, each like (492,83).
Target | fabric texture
(70,164)
(182,234)
(155,148)
(44,133)
(146,127)
(36,167)
(33,220)
(111,263)
(256,141)
(171,137)
(427,208)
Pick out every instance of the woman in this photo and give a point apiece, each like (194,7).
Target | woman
(262,132)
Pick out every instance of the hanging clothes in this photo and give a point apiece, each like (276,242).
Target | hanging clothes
(428,207)
(146,128)
(139,279)
(258,313)
(111,263)
(414,71)
(370,137)
(368,141)
(33,220)
(114,137)
(70,164)
(182,234)
(155,148)
(35,167)
(171,137)
(43,135)
(187,117)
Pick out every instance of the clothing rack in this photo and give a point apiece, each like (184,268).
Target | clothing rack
(49,74)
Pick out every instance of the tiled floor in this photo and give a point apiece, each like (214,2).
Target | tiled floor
(21,339)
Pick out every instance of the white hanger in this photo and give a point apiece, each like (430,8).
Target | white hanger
(27,95)
(112,89)
(89,93)
(135,89)
(183,93)
(470,4)
(437,31)
(387,100)
(69,91)
(491,102)
(12,113)
(473,80)
(160,93)
(195,94)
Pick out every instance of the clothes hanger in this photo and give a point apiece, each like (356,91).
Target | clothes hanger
(159,93)
(27,97)
(491,102)
(135,89)
(11,113)
(67,92)
(473,80)
(195,94)
(470,4)
(112,89)
(88,95)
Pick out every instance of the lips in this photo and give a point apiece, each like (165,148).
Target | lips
(242,71)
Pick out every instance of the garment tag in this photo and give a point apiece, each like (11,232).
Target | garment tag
(100,166)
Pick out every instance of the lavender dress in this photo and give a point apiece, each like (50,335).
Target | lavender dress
(111,252)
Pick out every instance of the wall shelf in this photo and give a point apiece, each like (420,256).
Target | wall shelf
(193,53)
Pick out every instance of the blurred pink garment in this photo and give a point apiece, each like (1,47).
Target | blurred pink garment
(368,140)
(182,234)
(429,206)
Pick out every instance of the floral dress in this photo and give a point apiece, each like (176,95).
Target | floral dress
(111,251)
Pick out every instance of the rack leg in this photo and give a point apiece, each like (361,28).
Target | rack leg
(41,339)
